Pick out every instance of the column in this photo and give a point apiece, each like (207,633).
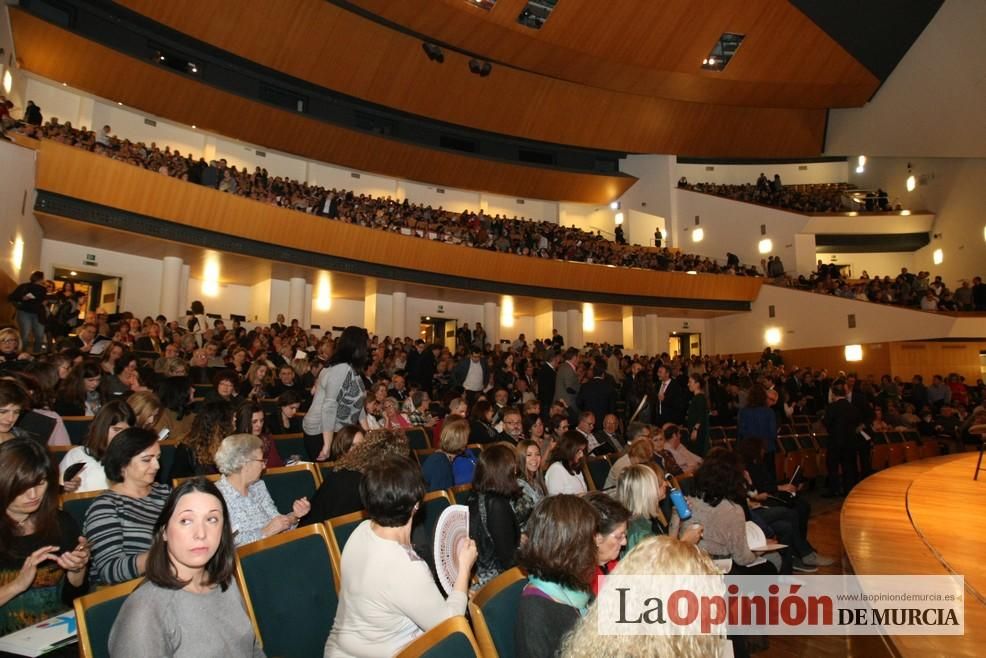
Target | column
(573,332)
(296,299)
(370,313)
(630,337)
(399,330)
(209,149)
(491,322)
(306,315)
(186,274)
(86,111)
(653,345)
(171,287)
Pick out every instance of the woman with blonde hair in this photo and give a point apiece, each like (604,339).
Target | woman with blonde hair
(641,451)
(10,344)
(257,380)
(147,409)
(451,464)
(339,493)
(654,556)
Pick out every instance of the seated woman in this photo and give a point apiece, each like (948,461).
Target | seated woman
(146,407)
(531,479)
(564,475)
(492,522)
(717,507)
(339,493)
(344,440)
(611,533)
(252,513)
(46,378)
(641,489)
(388,595)
(256,382)
(121,380)
(654,556)
(481,423)
(120,523)
(188,605)
(81,394)
(224,385)
(43,558)
(286,420)
(641,451)
(560,559)
(392,416)
(776,506)
(112,419)
(196,452)
(13,400)
(176,395)
(249,418)
(452,464)
(533,428)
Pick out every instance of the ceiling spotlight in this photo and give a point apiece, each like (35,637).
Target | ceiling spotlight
(480,68)
(433,52)
(614,205)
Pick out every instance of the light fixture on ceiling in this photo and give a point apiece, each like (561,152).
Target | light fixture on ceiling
(614,205)
(433,52)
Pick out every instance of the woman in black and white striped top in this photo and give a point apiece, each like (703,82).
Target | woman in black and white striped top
(120,523)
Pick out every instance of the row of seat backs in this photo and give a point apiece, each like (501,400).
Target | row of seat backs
(304,562)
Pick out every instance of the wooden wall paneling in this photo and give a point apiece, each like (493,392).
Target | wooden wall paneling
(59,55)
(876,359)
(361,58)
(80,174)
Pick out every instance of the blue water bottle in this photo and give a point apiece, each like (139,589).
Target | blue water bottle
(678,500)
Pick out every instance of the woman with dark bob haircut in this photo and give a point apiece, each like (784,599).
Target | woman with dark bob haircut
(560,559)
(388,596)
(339,393)
(114,417)
(492,522)
(43,558)
(120,523)
(564,475)
(186,606)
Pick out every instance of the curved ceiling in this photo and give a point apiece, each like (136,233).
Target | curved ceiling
(653,48)
(699,113)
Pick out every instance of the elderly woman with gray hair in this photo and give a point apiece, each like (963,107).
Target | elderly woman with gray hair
(252,514)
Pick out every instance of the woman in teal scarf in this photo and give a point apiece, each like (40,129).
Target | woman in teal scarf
(560,557)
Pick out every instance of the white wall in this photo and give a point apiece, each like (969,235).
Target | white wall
(506,206)
(126,123)
(588,218)
(812,320)
(932,104)
(342,313)
(19,230)
(141,286)
(653,191)
(428,195)
(885,264)
(232,299)
(734,226)
(953,189)
(639,227)
(791,174)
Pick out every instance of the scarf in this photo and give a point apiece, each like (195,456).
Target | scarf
(561,594)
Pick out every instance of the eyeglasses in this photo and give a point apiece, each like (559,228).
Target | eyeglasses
(8,340)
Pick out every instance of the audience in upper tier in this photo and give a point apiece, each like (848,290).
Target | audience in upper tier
(535,437)
(906,289)
(807,198)
(506,235)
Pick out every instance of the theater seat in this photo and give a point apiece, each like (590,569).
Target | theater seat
(287,484)
(451,639)
(595,470)
(290,583)
(417,437)
(459,493)
(77,504)
(494,613)
(290,445)
(95,614)
(77,427)
(340,529)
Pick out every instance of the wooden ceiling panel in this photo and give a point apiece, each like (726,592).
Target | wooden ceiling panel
(689,113)
(59,55)
(634,46)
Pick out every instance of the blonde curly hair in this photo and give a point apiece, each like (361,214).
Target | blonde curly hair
(654,556)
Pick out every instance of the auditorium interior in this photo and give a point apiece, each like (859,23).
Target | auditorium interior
(754,197)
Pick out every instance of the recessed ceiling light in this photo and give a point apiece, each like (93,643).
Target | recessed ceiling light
(73,273)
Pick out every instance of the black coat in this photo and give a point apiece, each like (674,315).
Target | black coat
(597,395)
(672,408)
(546,387)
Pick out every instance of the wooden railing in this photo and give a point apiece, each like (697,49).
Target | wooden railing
(82,175)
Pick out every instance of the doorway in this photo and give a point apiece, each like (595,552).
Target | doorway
(440,331)
(685,345)
(102,291)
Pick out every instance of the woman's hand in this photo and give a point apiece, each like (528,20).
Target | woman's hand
(277,525)
(72,485)
(29,570)
(75,562)
(301,508)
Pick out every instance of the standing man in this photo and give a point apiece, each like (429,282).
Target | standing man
(471,375)
(598,395)
(841,422)
(669,407)
(28,298)
(567,382)
(546,381)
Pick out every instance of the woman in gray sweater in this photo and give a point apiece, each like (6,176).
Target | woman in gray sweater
(339,393)
(188,606)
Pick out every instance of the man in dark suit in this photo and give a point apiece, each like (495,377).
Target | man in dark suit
(151,342)
(567,381)
(424,371)
(546,381)
(863,408)
(398,386)
(279,327)
(841,422)
(609,438)
(597,395)
(513,427)
(669,399)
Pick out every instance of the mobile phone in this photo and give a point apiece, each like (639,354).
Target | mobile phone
(73,470)
(163,434)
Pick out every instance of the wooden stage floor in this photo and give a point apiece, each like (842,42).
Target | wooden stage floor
(924,517)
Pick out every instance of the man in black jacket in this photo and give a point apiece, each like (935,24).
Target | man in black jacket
(28,298)
(546,381)
(597,395)
(670,402)
(841,421)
